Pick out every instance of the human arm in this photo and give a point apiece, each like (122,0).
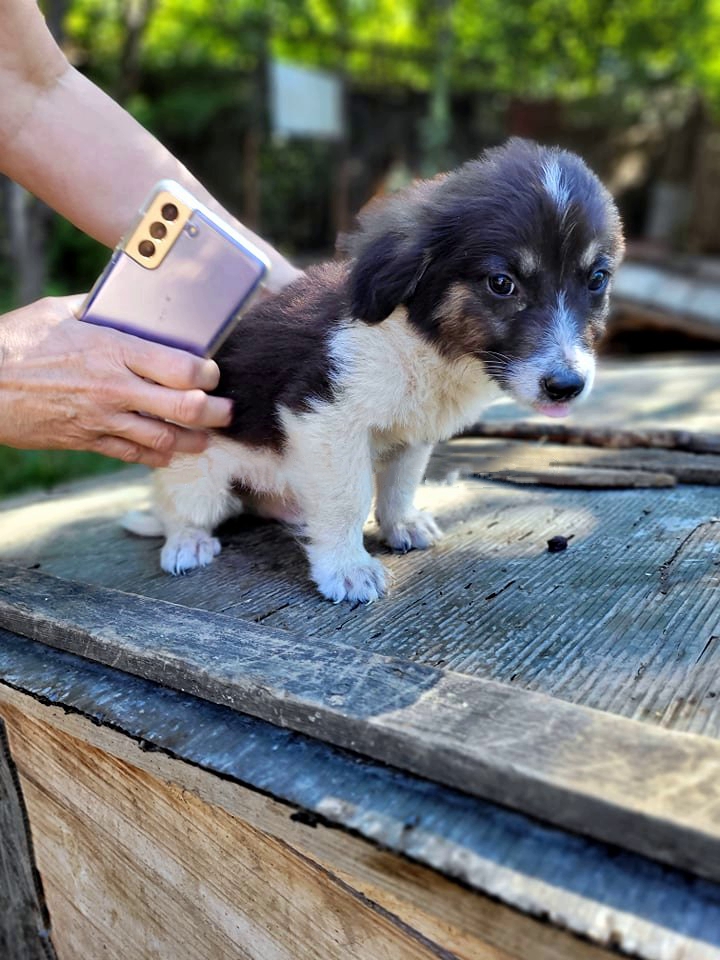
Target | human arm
(71,145)
(65,384)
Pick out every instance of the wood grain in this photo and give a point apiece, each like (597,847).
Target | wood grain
(616,899)
(649,790)
(467,924)
(136,867)
(495,457)
(24,920)
(583,477)
(599,436)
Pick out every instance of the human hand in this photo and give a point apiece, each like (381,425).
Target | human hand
(66,384)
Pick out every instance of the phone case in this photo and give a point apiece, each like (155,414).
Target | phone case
(190,291)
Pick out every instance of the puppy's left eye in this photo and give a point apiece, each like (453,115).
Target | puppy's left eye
(501,285)
(598,280)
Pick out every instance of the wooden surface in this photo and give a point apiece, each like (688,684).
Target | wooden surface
(468,925)
(136,867)
(24,920)
(649,790)
(656,295)
(626,620)
(605,895)
(622,621)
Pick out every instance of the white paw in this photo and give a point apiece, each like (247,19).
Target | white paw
(417,531)
(187,550)
(361,581)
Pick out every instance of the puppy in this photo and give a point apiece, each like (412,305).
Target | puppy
(492,278)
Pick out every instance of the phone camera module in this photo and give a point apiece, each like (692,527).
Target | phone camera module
(158,230)
(169,212)
(146,248)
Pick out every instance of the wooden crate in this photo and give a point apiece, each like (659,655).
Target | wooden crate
(515,755)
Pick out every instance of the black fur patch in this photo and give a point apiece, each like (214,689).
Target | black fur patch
(278,355)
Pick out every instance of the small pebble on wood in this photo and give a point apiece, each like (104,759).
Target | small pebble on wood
(557,544)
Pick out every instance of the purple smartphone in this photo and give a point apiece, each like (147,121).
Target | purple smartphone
(180,277)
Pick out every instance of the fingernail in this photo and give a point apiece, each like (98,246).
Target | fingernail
(209,375)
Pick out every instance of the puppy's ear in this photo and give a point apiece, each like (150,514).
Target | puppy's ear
(385,274)
(389,250)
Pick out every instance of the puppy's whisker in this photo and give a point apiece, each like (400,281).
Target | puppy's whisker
(494,354)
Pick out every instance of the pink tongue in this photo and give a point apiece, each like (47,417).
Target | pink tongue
(553,409)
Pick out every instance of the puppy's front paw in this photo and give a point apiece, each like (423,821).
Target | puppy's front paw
(187,550)
(358,582)
(417,531)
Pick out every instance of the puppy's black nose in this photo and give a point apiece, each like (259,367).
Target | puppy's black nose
(563,386)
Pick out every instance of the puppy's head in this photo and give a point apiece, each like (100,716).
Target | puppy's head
(508,259)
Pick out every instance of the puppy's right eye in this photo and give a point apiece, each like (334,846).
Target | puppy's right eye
(501,285)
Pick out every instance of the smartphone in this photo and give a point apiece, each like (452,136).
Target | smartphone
(180,276)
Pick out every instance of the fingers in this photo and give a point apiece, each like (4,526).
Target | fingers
(170,367)
(163,438)
(171,384)
(138,439)
(120,449)
(162,364)
(166,383)
(192,408)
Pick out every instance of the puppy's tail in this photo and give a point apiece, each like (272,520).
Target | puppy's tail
(142,523)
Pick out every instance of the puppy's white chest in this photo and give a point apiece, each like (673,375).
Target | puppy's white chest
(442,408)
(404,389)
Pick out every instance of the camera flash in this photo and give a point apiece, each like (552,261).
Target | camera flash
(192,230)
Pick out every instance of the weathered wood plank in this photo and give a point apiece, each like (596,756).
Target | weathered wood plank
(649,790)
(493,457)
(24,920)
(139,868)
(610,639)
(583,477)
(598,436)
(617,899)
(669,296)
(678,392)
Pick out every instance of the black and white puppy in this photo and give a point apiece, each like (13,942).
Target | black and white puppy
(493,277)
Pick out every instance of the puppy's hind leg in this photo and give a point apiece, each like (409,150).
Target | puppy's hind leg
(403,526)
(191,497)
(330,472)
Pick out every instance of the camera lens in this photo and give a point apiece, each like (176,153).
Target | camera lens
(146,248)
(169,211)
(158,230)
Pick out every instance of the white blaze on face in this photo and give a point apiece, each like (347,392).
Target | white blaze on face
(566,347)
(554,181)
(561,349)
(528,262)
(590,255)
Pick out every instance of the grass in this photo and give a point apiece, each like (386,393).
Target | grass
(43,469)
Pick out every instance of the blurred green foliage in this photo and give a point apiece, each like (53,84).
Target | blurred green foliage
(561,48)
(194,72)
(43,469)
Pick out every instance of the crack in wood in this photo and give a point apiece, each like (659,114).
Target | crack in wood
(496,593)
(666,566)
(706,648)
